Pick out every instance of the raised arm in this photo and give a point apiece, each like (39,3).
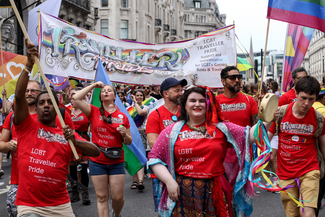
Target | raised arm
(140,111)
(80,95)
(21,106)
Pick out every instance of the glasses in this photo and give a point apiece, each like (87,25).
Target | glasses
(32,90)
(146,88)
(109,117)
(233,77)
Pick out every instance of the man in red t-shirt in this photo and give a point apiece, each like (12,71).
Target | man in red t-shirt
(236,107)
(172,90)
(297,155)
(43,152)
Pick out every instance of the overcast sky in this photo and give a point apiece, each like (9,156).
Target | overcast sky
(250,21)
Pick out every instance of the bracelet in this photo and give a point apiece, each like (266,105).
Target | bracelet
(26,69)
(30,68)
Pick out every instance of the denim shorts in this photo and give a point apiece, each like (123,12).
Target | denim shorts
(103,169)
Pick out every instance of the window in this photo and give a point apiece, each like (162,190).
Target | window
(197,34)
(197,4)
(104,27)
(124,29)
(124,3)
(185,17)
(104,3)
(187,34)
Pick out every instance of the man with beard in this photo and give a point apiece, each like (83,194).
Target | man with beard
(172,90)
(235,106)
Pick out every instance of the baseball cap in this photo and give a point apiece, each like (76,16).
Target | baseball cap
(171,82)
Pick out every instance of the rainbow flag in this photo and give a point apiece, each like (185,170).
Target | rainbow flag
(310,13)
(134,154)
(242,65)
(297,42)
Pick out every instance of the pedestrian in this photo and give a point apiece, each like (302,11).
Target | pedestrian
(110,128)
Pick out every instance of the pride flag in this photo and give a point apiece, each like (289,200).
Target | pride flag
(134,154)
(310,13)
(242,65)
(297,42)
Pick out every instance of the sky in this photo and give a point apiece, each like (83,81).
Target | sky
(250,21)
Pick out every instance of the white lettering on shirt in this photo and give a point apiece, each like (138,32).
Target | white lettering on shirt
(185,151)
(35,170)
(38,152)
(306,129)
(233,107)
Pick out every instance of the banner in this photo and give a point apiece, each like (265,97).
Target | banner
(67,50)
(13,66)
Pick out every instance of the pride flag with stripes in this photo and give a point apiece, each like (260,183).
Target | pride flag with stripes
(297,42)
(310,13)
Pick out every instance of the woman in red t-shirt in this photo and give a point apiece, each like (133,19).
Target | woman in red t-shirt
(188,158)
(79,167)
(110,129)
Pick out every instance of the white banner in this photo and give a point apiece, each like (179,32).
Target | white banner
(68,50)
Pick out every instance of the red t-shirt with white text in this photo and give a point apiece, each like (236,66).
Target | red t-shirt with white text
(238,110)
(200,156)
(106,135)
(157,121)
(297,153)
(43,159)
(14,172)
(80,122)
(288,97)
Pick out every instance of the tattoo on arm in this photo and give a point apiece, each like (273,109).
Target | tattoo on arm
(254,119)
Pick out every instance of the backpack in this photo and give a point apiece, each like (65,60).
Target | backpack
(320,123)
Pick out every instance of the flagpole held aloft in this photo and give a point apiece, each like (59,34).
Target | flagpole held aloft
(267,36)
(56,107)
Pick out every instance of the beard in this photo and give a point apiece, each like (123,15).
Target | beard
(30,101)
(175,100)
(234,89)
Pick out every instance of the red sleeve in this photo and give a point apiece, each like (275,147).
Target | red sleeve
(68,121)
(153,123)
(126,122)
(6,124)
(78,137)
(92,112)
(254,107)
(283,100)
(272,128)
(22,129)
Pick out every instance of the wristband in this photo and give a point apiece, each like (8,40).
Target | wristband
(26,69)
(30,68)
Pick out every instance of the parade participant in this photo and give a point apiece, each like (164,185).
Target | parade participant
(319,105)
(44,152)
(235,106)
(188,158)
(297,155)
(81,124)
(121,95)
(290,96)
(274,87)
(146,91)
(110,129)
(156,92)
(171,89)
(120,88)
(139,114)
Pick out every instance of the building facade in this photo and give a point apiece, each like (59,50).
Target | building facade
(201,16)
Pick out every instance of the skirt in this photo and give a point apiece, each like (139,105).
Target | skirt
(196,198)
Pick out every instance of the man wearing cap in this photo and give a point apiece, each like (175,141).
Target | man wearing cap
(172,90)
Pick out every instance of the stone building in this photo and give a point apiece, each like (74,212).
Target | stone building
(201,16)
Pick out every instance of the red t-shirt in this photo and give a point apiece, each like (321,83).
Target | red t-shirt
(297,153)
(14,172)
(106,135)
(43,159)
(80,122)
(238,110)
(67,120)
(157,121)
(200,156)
(288,97)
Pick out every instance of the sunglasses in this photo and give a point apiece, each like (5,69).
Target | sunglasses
(146,88)
(109,117)
(233,77)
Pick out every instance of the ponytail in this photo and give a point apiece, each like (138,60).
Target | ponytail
(102,112)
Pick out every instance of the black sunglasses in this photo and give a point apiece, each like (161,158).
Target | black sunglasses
(109,117)
(233,77)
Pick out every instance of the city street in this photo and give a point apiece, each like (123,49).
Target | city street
(138,204)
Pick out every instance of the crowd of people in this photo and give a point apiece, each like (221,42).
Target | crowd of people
(198,144)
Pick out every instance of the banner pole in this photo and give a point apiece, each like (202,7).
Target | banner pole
(57,110)
(267,36)
(4,98)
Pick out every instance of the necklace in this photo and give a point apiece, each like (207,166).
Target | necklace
(202,129)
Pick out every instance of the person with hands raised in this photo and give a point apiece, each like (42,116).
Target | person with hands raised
(110,129)
(44,152)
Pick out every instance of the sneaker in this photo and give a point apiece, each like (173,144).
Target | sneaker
(85,198)
(74,196)
(2,173)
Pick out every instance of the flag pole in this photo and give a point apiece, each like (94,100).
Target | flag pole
(43,76)
(4,99)
(267,36)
